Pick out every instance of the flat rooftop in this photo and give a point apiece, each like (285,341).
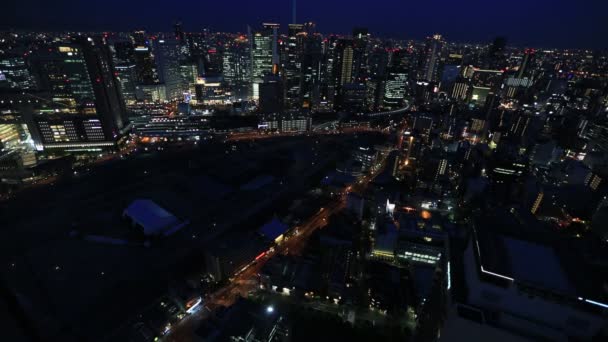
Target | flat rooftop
(513,246)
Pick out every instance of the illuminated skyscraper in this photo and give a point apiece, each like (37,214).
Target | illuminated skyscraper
(311,71)
(15,74)
(360,53)
(293,63)
(342,70)
(168,57)
(431,59)
(527,64)
(264,54)
(179,32)
(80,77)
(394,88)
(147,73)
(395,85)
(127,79)
(236,62)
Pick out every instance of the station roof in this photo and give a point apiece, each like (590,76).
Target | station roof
(150,216)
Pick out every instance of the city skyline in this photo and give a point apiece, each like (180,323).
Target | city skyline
(570,25)
(162,180)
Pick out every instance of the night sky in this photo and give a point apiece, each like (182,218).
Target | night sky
(542,23)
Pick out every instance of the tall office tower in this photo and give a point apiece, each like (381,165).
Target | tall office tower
(147,74)
(196,44)
(123,55)
(168,56)
(395,82)
(395,88)
(264,54)
(378,61)
(374,89)
(139,38)
(293,51)
(495,58)
(342,69)
(431,59)
(311,71)
(271,95)
(236,62)
(62,72)
(526,67)
(182,39)
(126,76)
(14,73)
(214,59)
(360,53)
(123,52)
(109,105)
(353,98)
(80,77)
(178,31)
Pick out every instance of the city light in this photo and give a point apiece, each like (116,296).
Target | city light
(197,176)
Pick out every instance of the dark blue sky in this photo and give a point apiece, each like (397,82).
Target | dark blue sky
(548,23)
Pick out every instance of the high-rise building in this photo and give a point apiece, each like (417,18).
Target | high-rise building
(169,56)
(127,80)
(311,71)
(80,78)
(123,52)
(378,62)
(271,95)
(292,66)
(495,58)
(396,82)
(147,73)
(361,38)
(14,73)
(264,54)
(236,62)
(431,59)
(353,97)
(179,32)
(526,67)
(394,89)
(343,62)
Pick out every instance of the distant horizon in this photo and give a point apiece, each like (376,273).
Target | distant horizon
(558,24)
(416,39)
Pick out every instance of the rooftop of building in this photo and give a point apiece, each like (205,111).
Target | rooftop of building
(150,216)
(513,245)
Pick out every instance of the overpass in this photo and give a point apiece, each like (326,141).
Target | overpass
(328,125)
(391,112)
